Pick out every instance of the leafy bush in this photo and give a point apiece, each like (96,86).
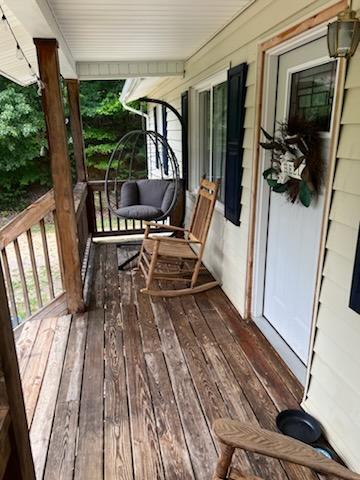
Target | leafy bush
(22,135)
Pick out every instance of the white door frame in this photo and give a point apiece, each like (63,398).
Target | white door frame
(263,197)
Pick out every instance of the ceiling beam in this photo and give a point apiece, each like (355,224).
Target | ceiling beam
(126,69)
(39,21)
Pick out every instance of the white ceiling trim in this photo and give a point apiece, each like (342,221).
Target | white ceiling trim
(115,70)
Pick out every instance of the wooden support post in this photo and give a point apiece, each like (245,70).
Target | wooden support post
(20,443)
(73,90)
(48,60)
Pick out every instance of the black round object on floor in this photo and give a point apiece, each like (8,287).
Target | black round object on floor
(299,425)
(324,450)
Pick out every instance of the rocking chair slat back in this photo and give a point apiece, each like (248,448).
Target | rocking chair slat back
(204,207)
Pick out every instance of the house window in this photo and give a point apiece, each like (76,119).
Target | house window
(312,94)
(212,132)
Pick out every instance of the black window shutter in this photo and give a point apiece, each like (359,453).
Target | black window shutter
(355,288)
(164,134)
(157,163)
(234,141)
(184,137)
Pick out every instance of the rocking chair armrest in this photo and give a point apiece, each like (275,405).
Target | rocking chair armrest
(252,438)
(165,227)
(173,240)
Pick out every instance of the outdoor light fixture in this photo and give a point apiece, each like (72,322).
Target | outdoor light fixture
(344,34)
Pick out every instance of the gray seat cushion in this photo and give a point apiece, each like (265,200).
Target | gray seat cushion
(152,191)
(140,212)
(129,194)
(145,199)
(168,197)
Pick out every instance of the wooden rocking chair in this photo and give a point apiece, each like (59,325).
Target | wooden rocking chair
(158,252)
(233,434)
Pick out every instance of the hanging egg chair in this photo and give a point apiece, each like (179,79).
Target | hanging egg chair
(142,179)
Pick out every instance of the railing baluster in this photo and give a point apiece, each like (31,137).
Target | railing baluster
(117,206)
(34,268)
(58,244)
(101,212)
(10,288)
(22,277)
(109,216)
(47,259)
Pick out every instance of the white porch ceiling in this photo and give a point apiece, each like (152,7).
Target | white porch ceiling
(103,36)
(141,29)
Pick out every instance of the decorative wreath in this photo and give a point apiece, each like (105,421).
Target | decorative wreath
(297,166)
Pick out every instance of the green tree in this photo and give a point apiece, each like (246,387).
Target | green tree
(105,122)
(22,136)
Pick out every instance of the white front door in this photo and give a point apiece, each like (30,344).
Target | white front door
(306,78)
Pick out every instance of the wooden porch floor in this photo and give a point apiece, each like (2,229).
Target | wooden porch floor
(130,389)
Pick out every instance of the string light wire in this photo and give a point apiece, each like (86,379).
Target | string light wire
(20,54)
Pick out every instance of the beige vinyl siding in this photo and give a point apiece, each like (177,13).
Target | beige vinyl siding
(334,388)
(226,253)
(227,249)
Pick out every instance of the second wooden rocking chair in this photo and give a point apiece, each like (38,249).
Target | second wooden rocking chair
(157,252)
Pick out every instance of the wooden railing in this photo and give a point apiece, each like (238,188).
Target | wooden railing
(31,254)
(31,259)
(30,248)
(104,221)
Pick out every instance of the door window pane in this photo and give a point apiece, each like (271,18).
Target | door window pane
(219,134)
(312,94)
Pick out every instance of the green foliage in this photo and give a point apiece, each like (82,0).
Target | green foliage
(22,134)
(304,194)
(105,121)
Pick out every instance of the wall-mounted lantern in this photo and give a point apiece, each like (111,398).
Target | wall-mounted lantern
(344,34)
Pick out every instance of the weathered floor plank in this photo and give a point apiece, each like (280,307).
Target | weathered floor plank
(89,459)
(175,455)
(200,443)
(117,441)
(61,457)
(141,380)
(33,373)
(145,443)
(26,340)
(40,431)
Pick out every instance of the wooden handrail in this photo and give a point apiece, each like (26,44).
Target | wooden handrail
(35,212)
(99,185)
(27,218)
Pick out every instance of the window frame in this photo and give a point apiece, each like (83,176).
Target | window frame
(195,164)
